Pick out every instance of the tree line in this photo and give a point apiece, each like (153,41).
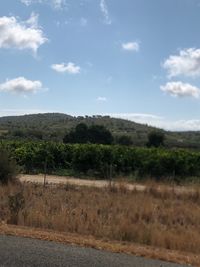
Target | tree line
(94,134)
(99,134)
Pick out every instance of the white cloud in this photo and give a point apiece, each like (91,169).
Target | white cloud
(21,35)
(149,119)
(70,68)
(161,122)
(27,2)
(187,63)
(19,112)
(32,22)
(179,89)
(56,4)
(21,85)
(137,117)
(104,10)
(83,22)
(131,46)
(102,99)
(184,125)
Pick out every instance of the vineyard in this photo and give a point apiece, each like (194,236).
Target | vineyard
(100,160)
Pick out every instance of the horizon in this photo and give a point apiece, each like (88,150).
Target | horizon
(133,60)
(112,116)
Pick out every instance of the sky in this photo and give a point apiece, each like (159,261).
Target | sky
(132,59)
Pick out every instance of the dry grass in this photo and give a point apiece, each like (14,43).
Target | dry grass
(163,219)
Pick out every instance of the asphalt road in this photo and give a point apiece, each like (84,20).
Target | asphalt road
(25,252)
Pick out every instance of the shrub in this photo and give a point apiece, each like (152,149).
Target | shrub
(8,167)
(94,134)
(156,139)
(160,163)
(16,203)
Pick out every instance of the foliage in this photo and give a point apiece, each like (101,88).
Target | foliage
(96,159)
(53,127)
(8,167)
(98,134)
(79,135)
(124,140)
(94,134)
(155,139)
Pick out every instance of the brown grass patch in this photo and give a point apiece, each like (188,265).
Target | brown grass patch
(163,219)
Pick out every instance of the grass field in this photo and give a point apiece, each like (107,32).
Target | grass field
(161,219)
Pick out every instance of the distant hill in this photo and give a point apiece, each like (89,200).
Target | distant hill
(53,126)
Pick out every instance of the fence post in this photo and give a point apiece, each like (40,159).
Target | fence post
(45,171)
(110,176)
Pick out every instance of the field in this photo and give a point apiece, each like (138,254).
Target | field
(152,207)
(162,219)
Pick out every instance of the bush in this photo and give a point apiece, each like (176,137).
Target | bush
(160,163)
(8,167)
(156,139)
(124,140)
(94,134)
(16,203)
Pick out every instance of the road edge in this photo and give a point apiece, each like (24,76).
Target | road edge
(100,244)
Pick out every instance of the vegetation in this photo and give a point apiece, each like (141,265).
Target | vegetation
(94,134)
(91,154)
(156,139)
(101,147)
(8,167)
(163,219)
(124,140)
(54,126)
(96,160)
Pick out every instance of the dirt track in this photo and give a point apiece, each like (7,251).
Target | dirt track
(52,179)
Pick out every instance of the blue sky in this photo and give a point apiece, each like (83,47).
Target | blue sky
(133,59)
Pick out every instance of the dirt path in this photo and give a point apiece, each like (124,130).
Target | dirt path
(53,179)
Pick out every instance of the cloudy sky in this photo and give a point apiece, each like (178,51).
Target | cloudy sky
(133,59)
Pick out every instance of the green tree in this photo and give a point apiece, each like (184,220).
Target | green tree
(81,133)
(98,134)
(95,134)
(155,139)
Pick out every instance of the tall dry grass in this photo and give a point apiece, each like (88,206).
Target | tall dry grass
(160,218)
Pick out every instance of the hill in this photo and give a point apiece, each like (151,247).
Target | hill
(53,126)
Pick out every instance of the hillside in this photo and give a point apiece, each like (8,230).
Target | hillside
(53,126)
